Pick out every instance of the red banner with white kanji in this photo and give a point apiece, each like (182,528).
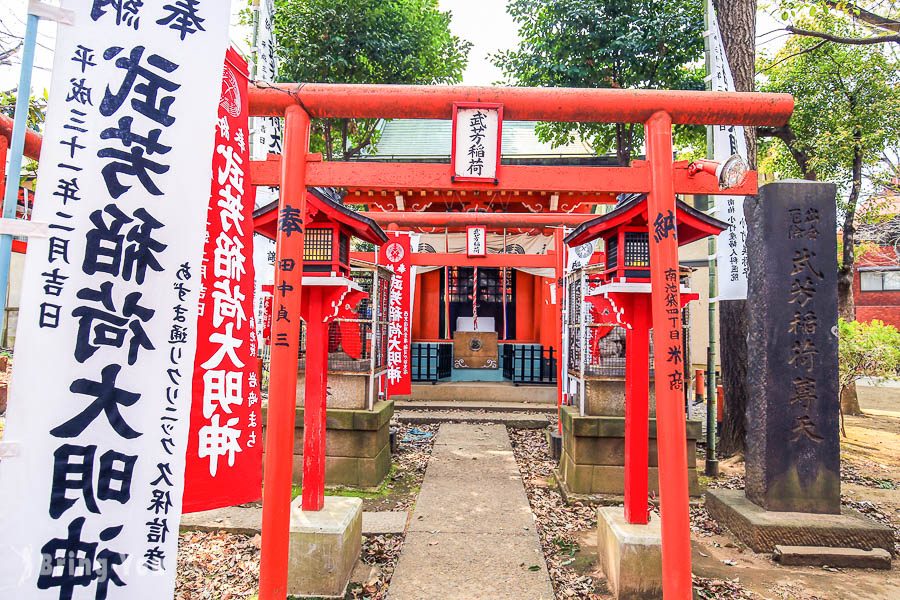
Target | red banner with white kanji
(396,254)
(224,453)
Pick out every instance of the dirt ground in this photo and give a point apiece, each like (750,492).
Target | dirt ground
(870,482)
(724,569)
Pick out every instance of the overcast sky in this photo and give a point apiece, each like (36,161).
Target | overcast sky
(485,23)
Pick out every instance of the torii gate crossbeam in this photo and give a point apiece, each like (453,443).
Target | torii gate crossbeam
(656,110)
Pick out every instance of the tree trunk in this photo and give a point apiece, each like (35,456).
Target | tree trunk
(737,22)
(846,305)
(623,144)
(850,401)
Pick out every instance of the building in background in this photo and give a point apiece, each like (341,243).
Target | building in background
(876,278)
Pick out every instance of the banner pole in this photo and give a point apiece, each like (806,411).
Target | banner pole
(16,148)
(712,462)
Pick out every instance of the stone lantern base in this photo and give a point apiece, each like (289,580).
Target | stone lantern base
(593,455)
(324,547)
(631,555)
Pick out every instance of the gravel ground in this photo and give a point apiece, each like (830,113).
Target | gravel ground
(560,527)
(217,566)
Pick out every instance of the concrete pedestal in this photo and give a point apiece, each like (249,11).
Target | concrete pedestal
(593,455)
(762,529)
(357,446)
(631,555)
(324,547)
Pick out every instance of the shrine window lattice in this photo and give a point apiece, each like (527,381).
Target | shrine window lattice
(491,284)
(317,244)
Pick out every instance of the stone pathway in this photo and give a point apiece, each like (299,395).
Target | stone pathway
(472,534)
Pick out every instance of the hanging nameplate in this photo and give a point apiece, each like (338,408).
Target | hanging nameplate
(476,142)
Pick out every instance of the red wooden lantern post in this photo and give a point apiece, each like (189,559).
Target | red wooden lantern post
(328,294)
(324,299)
(639,284)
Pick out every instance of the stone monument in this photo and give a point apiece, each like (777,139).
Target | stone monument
(793,487)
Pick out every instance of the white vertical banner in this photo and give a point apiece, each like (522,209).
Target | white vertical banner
(266,137)
(100,401)
(728,140)
(475,240)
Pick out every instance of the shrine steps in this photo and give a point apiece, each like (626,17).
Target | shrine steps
(474,405)
(484,391)
(518,415)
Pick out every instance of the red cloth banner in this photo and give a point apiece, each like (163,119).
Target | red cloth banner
(224,452)
(396,254)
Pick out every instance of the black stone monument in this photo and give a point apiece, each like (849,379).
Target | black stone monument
(792,444)
(792,461)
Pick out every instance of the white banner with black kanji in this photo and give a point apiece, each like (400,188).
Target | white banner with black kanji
(101,390)
(728,140)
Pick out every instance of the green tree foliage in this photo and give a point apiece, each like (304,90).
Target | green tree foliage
(37,109)
(649,44)
(847,117)
(867,350)
(364,41)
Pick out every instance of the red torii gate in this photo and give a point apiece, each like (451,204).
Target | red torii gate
(659,176)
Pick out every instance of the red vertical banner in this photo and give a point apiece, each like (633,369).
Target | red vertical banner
(396,254)
(224,452)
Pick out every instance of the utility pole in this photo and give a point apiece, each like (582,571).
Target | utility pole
(712,461)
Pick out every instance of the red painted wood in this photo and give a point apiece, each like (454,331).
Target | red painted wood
(33,140)
(637,405)
(525,307)
(670,419)
(441,259)
(314,401)
(523,104)
(417,322)
(276,512)
(431,297)
(430,177)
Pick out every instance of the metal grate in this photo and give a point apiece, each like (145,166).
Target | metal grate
(529,363)
(317,245)
(492,283)
(605,355)
(431,362)
(637,249)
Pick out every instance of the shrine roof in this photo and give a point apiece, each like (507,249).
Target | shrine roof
(326,202)
(692,224)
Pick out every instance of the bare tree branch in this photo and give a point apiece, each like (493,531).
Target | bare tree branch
(867,17)
(6,54)
(815,46)
(878,39)
(787,135)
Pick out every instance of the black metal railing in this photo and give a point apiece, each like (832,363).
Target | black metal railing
(529,363)
(431,361)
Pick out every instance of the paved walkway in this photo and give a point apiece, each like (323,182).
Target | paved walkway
(472,534)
